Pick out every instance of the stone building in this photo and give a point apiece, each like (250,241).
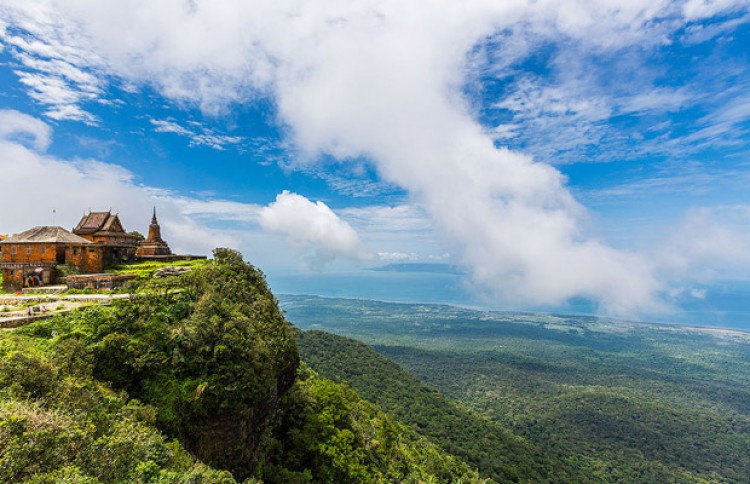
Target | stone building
(106,230)
(154,247)
(31,257)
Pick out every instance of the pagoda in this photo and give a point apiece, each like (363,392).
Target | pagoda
(154,247)
(105,229)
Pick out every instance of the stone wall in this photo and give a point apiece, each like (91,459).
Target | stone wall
(98,281)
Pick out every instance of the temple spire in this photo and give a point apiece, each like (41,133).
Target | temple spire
(154,246)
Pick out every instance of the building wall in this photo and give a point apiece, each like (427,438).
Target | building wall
(30,253)
(118,248)
(12,279)
(118,255)
(120,240)
(88,259)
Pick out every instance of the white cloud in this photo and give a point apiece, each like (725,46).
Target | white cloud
(381,80)
(696,34)
(53,80)
(16,126)
(657,99)
(202,137)
(708,242)
(379,219)
(696,9)
(399,232)
(221,210)
(396,256)
(314,227)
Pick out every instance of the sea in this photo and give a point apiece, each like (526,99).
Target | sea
(723,304)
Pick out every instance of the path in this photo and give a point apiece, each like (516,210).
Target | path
(55,304)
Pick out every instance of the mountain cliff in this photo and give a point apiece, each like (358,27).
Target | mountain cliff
(195,378)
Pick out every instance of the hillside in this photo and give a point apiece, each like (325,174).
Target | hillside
(483,443)
(194,378)
(605,401)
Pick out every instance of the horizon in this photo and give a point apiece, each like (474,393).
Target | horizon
(685,319)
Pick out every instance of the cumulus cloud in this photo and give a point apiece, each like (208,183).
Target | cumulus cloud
(312,226)
(382,80)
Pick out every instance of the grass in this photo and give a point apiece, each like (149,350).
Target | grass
(142,270)
(146,268)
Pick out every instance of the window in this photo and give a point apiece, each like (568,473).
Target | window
(13,250)
(28,250)
(44,250)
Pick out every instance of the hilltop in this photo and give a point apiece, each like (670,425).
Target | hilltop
(195,378)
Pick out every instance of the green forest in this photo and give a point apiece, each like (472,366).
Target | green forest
(207,377)
(195,378)
(539,397)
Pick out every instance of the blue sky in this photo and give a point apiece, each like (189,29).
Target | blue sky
(556,151)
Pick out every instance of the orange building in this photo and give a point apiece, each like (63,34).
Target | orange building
(105,229)
(31,257)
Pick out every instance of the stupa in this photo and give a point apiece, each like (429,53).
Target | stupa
(154,247)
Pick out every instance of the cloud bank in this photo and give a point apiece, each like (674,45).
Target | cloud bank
(381,80)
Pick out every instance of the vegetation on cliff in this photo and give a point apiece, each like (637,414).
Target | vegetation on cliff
(326,433)
(58,422)
(490,447)
(191,380)
(603,401)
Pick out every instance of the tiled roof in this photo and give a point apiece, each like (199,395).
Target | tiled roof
(94,222)
(46,234)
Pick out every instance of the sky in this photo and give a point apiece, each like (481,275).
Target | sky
(546,151)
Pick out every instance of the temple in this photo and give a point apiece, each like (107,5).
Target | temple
(106,230)
(33,257)
(154,247)
(48,255)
